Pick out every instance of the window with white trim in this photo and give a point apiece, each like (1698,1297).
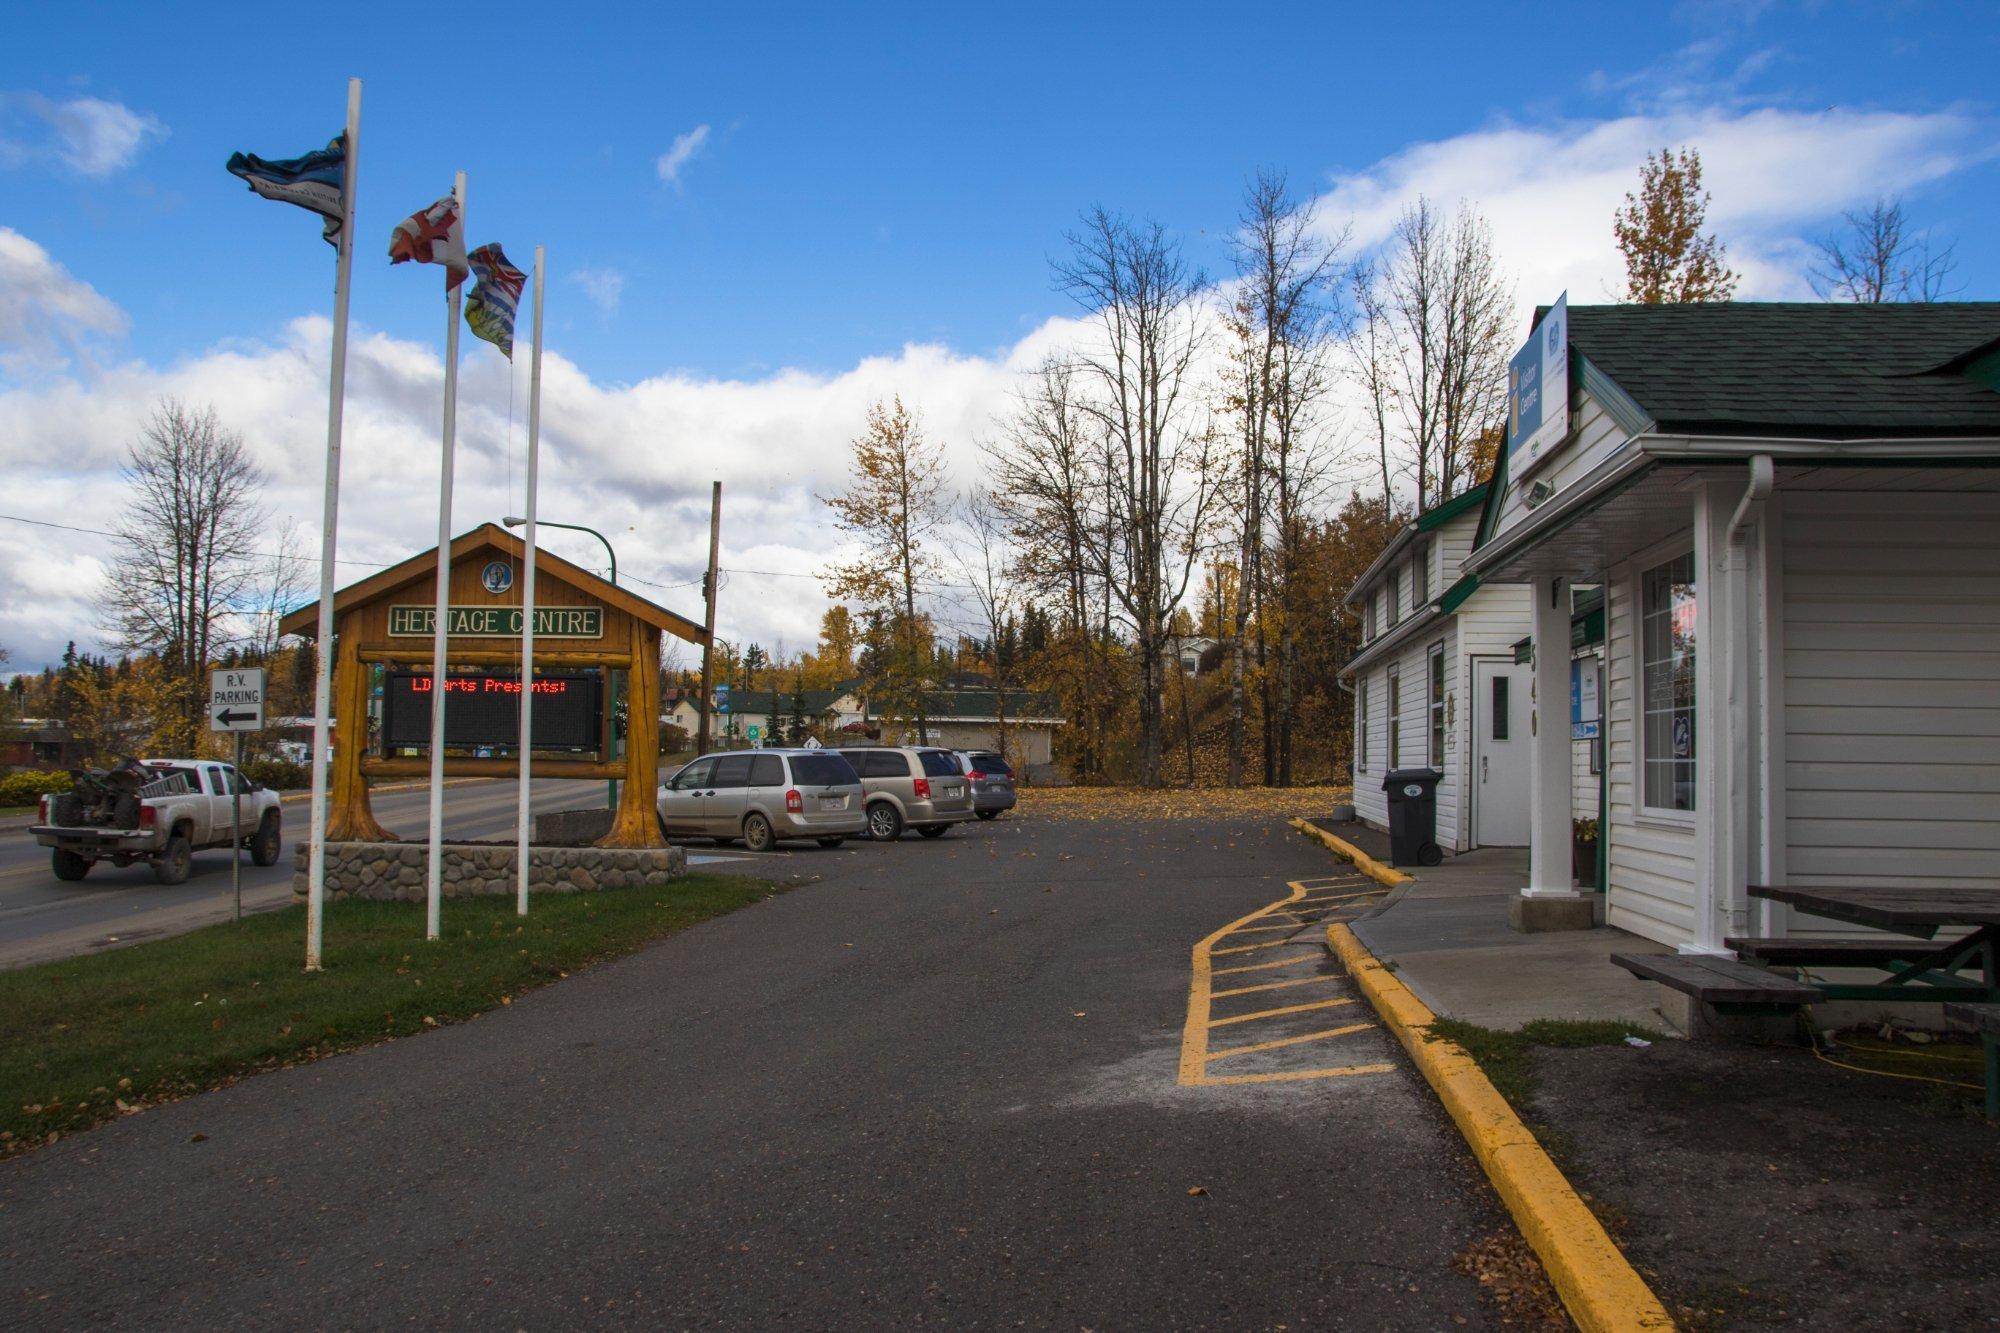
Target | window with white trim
(1368,617)
(1395,595)
(1667,602)
(1395,719)
(1420,576)
(1361,726)
(1437,705)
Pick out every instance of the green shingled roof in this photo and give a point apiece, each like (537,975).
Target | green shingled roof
(1776,368)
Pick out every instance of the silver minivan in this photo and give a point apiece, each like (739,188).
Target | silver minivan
(762,796)
(912,786)
(992,779)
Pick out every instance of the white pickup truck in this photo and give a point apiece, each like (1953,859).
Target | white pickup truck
(160,811)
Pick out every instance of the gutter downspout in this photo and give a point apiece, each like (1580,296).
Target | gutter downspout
(1733,903)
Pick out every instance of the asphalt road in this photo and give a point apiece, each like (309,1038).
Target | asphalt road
(935,1085)
(41,917)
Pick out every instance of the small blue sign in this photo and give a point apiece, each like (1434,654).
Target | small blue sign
(1538,388)
(1585,717)
(497,577)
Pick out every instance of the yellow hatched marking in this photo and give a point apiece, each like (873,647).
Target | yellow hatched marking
(1342,897)
(1274,1013)
(1247,948)
(1251,930)
(1289,1041)
(1298,1075)
(1265,967)
(1274,985)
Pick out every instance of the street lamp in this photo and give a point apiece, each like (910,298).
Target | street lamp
(515,521)
(573,527)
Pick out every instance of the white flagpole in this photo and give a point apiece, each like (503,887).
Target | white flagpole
(434,895)
(329,519)
(524,816)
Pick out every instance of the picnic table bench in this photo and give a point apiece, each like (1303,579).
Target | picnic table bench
(1963,973)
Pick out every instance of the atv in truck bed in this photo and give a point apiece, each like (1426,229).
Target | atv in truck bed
(160,811)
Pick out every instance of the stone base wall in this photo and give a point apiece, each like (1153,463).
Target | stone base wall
(399,870)
(571,828)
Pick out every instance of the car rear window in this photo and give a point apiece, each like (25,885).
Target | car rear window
(940,764)
(767,770)
(992,763)
(883,764)
(822,770)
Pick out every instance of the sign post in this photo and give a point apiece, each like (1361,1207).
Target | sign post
(236,705)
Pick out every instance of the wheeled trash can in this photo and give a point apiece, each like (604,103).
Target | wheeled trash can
(1413,820)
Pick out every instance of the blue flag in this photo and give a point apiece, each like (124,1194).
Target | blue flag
(314,181)
(489,310)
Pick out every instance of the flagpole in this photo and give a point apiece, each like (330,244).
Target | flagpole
(523,815)
(440,630)
(343,264)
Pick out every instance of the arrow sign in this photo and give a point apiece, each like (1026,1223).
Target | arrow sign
(236,699)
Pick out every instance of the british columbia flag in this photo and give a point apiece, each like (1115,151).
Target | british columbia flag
(496,293)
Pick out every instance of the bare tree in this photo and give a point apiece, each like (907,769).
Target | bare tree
(894,503)
(287,574)
(1283,320)
(186,554)
(982,554)
(1162,472)
(1875,258)
(1434,338)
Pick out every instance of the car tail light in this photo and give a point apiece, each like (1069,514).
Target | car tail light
(147,816)
(976,775)
(42,803)
(794,802)
(923,789)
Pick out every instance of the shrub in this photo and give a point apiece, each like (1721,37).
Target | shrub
(27,786)
(279,774)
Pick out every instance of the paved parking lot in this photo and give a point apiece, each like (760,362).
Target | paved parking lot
(940,1082)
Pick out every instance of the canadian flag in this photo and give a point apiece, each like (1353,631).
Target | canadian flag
(434,235)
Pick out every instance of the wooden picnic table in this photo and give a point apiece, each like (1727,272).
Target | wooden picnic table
(1912,911)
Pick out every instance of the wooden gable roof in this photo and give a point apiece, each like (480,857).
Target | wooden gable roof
(422,569)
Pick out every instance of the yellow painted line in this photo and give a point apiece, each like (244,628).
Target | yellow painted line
(1299,1040)
(1348,852)
(1298,1075)
(1598,1286)
(1275,1013)
(1263,967)
(1251,930)
(1274,985)
(1344,897)
(1247,948)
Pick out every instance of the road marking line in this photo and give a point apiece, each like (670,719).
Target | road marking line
(1249,930)
(1289,1041)
(1247,948)
(1261,967)
(1194,1033)
(1274,1013)
(1297,1075)
(1343,897)
(1274,985)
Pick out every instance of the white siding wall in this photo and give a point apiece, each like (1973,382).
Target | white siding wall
(1412,662)
(1892,705)
(1652,866)
(1598,436)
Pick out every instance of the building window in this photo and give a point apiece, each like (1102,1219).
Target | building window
(1667,652)
(1500,714)
(1368,616)
(1361,727)
(1395,594)
(1437,705)
(1420,576)
(1395,720)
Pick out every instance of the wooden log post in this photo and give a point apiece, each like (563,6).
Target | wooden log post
(350,817)
(637,821)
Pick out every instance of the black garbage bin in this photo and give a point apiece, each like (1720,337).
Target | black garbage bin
(1413,816)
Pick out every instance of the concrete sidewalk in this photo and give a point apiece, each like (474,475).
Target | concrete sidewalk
(1446,935)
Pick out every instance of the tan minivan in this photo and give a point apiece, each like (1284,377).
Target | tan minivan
(911,786)
(761,796)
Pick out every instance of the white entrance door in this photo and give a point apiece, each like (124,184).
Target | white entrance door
(1500,752)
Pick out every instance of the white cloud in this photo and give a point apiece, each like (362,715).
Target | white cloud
(45,312)
(680,153)
(604,287)
(1550,191)
(91,136)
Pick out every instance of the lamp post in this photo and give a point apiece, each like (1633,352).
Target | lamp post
(516,521)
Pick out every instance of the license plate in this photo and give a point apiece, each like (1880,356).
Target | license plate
(833,802)
(954,791)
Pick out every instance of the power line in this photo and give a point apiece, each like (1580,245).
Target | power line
(115,536)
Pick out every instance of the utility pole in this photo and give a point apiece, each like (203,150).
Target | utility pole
(708,590)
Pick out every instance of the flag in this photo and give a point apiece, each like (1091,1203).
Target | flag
(489,309)
(314,181)
(435,235)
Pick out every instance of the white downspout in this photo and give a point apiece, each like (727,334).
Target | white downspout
(1733,903)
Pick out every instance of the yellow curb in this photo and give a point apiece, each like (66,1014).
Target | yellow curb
(1347,851)
(1597,1284)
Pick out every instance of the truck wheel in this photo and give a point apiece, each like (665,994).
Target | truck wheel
(265,843)
(176,861)
(885,823)
(70,866)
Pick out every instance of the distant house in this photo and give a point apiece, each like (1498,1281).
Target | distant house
(35,742)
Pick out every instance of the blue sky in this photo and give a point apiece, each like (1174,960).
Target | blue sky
(870,176)
(866,203)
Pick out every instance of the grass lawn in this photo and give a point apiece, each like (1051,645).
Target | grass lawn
(92,1038)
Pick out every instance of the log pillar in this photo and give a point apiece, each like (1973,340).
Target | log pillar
(349,816)
(636,822)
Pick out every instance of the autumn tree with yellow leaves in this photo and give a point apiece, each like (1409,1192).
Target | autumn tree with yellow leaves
(1668,259)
